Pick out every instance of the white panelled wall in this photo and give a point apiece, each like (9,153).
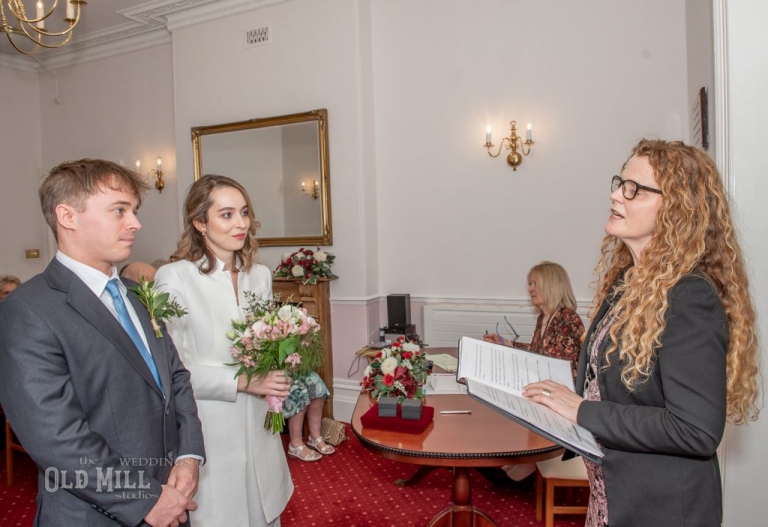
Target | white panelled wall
(418,205)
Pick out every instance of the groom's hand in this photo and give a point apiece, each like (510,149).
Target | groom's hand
(184,476)
(171,508)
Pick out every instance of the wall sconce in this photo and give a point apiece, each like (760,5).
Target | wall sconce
(514,142)
(315,192)
(157,173)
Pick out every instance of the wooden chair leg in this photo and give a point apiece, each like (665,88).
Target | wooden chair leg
(549,513)
(539,493)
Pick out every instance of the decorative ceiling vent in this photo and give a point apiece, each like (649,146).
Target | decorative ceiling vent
(258,36)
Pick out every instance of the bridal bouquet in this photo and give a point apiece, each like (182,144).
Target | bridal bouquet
(399,370)
(306,264)
(275,336)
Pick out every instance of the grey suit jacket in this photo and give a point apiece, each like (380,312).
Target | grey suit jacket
(660,441)
(85,406)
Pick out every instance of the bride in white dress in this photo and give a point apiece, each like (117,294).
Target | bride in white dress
(245,481)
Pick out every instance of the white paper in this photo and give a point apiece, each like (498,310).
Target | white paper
(444,384)
(496,375)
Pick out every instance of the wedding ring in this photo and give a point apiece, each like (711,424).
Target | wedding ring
(546,392)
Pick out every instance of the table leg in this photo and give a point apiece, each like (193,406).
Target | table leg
(415,478)
(461,513)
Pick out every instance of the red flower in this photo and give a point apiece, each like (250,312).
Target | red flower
(407,354)
(396,344)
(378,355)
(389,380)
(401,338)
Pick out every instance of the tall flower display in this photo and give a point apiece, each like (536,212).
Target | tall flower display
(399,370)
(306,264)
(275,336)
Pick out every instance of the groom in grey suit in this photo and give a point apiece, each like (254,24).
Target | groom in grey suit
(101,404)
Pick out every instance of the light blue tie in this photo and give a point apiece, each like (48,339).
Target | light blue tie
(130,328)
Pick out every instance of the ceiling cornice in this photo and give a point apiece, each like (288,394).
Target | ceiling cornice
(148,25)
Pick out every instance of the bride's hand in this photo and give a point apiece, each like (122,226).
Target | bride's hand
(275,383)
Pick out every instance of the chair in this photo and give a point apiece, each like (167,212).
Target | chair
(10,446)
(555,473)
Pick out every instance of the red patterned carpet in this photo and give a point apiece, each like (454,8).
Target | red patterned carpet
(352,488)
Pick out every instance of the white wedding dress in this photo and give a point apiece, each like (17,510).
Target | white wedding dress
(245,481)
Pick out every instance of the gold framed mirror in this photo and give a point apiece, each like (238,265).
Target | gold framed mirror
(283,164)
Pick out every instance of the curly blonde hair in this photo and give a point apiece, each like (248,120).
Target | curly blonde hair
(693,232)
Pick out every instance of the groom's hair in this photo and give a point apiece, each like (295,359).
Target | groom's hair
(73,182)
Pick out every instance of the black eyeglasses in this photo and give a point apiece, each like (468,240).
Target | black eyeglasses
(629,188)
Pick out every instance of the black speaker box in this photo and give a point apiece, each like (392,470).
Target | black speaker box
(399,311)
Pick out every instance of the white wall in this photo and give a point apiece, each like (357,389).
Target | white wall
(592,77)
(746,460)
(119,109)
(20,217)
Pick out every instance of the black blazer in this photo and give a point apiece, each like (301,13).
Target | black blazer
(85,406)
(660,441)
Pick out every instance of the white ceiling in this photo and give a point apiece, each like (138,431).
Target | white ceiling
(109,26)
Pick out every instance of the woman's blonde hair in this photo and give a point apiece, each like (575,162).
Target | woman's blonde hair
(192,244)
(693,232)
(553,285)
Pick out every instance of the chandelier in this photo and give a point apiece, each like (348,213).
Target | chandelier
(27,33)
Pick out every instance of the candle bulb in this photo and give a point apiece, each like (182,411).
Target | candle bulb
(303,187)
(40,13)
(529,133)
(159,164)
(138,165)
(488,135)
(70,10)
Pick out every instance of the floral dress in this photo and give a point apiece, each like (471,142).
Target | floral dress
(561,339)
(303,390)
(597,512)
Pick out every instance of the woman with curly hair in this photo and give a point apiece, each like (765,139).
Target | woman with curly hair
(671,353)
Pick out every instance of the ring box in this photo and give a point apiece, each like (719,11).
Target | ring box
(411,409)
(387,407)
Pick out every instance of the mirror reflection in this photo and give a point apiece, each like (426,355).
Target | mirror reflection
(283,164)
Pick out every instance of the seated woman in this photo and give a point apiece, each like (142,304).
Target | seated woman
(307,397)
(558,333)
(559,329)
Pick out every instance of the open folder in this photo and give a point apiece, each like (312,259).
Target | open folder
(495,375)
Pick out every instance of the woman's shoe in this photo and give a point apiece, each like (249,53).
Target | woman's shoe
(295,452)
(314,444)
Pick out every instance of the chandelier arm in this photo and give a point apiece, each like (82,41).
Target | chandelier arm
(28,28)
(501,144)
(20,12)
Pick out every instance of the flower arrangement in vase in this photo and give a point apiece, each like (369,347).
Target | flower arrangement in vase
(306,264)
(399,370)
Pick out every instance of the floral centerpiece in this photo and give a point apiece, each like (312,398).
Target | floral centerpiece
(275,336)
(399,370)
(306,264)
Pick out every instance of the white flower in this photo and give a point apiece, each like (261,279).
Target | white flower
(297,270)
(385,352)
(320,256)
(368,370)
(409,346)
(388,365)
(286,313)
(286,256)
(231,335)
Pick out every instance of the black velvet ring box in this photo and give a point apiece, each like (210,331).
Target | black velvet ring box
(387,407)
(411,409)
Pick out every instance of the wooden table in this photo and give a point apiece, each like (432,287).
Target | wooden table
(483,438)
